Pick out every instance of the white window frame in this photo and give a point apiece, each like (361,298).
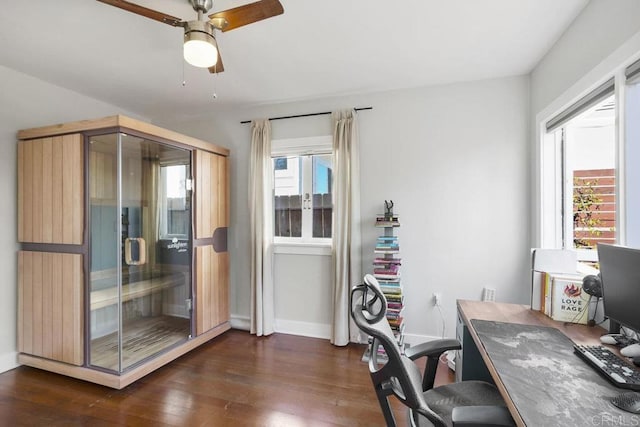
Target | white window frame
(550,229)
(303,147)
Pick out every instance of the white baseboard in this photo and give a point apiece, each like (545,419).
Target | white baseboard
(305,329)
(240,322)
(8,361)
(292,327)
(313,330)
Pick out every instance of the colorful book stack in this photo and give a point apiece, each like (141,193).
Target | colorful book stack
(386,269)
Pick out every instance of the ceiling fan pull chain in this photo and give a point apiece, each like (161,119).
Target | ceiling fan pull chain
(215,85)
(184,81)
(215,76)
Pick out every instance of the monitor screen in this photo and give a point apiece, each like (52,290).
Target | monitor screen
(620,272)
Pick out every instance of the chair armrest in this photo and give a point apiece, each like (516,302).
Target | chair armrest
(432,348)
(488,416)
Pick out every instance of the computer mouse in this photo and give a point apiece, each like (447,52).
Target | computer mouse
(632,350)
(608,339)
(629,401)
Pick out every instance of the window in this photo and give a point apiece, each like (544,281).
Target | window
(589,182)
(632,156)
(303,205)
(583,147)
(174,208)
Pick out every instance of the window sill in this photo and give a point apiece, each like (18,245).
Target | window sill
(302,249)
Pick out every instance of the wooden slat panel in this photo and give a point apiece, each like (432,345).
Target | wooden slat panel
(36,296)
(25,306)
(57,300)
(21,192)
(211,186)
(203,286)
(57,166)
(214,195)
(212,288)
(78,318)
(208,187)
(27,213)
(50,304)
(51,190)
(212,212)
(36,202)
(67,193)
(223,192)
(197,206)
(203,188)
(67,312)
(47,306)
(47,189)
(222,288)
(77,206)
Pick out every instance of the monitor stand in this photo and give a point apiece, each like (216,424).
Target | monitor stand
(614,327)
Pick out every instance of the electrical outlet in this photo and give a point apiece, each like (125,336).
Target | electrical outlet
(437,299)
(488,294)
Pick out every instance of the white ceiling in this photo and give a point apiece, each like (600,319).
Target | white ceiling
(315,49)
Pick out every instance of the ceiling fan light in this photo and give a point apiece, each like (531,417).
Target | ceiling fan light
(200,48)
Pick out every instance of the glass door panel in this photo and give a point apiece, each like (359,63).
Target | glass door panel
(104,283)
(156,263)
(152,299)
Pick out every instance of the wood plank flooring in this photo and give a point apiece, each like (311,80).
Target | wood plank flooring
(236,379)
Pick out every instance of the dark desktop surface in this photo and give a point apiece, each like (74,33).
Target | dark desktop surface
(547,382)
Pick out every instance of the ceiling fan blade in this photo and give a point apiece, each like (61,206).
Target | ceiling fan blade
(248,13)
(144,11)
(218,68)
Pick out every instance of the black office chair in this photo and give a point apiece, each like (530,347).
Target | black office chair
(468,403)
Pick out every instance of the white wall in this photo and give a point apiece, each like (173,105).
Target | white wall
(601,27)
(27,102)
(453,158)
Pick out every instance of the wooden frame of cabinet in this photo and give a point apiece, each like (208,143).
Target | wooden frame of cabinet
(53,296)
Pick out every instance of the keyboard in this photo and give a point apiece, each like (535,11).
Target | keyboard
(620,372)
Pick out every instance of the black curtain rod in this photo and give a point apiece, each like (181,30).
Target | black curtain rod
(305,115)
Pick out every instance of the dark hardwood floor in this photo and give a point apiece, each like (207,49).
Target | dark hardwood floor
(236,379)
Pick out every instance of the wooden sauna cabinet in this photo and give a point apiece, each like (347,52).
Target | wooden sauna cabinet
(123,265)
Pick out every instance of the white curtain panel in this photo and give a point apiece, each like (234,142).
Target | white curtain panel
(346,251)
(261,218)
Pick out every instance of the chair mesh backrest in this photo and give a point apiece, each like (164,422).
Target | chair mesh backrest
(368,310)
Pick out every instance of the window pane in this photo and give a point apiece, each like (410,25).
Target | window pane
(175,206)
(287,179)
(590,150)
(322,203)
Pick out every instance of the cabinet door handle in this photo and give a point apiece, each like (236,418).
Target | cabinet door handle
(142,251)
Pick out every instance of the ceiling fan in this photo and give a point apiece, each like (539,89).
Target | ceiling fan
(200,47)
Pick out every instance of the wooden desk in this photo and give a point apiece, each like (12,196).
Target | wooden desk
(583,403)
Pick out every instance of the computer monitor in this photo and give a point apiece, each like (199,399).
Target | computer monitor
(620,273)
